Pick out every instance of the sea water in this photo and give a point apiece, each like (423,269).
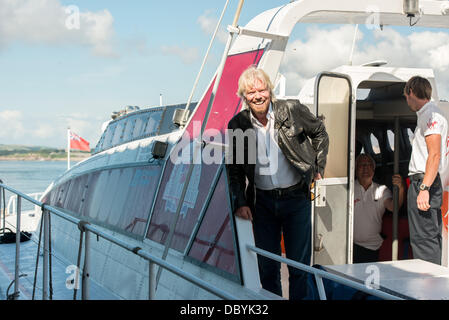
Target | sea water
(30,176)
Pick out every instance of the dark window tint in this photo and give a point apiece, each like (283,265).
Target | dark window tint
(75,196)
(214,244)
(140,193)
(168,200)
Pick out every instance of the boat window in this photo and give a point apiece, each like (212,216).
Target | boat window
(375,144)
(75,198)
(92,179)
(390,136)
(118,134)
(140,188)
(129,128)
(143,124)
(109,134)
(124,206)
(120,196)
(138,126)
(63,192)
(109,193)
(53,196)
(96,193)
(214,243)
(153,121)
(411,135)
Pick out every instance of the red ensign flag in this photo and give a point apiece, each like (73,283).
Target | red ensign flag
(78,143)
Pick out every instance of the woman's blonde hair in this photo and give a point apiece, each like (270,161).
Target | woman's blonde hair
(249,77)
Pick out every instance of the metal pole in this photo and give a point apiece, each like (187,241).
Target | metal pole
(3,211)
(85,281)
(68,148)
(320,286)
(16,273)
(353,44)
(151,281)
(221,68)
(394,249)
(204,62)
(46,255)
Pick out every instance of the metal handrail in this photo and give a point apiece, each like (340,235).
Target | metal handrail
(10,208)
(319,274)
(91,228)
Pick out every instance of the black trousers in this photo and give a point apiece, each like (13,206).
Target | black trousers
(363,255)
(425,226)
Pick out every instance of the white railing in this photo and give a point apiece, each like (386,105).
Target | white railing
(87,229)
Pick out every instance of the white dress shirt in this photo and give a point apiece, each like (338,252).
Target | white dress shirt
(430,121)
(273,170)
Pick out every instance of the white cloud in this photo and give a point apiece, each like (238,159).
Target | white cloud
(187,55)
(17,127)
(304,59)
(49,22)
(11,125)
(44,130)
(208,24)
(323,50)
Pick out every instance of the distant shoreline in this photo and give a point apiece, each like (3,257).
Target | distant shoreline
(40,158)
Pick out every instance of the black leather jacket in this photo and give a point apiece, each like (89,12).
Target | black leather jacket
(302,138)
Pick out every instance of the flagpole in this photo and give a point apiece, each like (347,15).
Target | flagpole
(68,148)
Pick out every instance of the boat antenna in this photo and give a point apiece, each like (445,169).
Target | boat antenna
(354,40)
(185,113)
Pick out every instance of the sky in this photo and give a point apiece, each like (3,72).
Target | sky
(58,71)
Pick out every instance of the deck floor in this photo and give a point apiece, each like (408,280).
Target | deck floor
(409,279)
(28,252)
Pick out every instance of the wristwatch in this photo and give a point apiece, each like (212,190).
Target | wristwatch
(423,187)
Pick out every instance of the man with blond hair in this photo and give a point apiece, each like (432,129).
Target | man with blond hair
(290,146)
(424,198)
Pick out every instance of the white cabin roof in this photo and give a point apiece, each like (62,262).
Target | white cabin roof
(282,20)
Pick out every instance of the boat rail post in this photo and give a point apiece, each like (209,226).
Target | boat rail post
(320,286)
(151,280)
(395,245)
(3,211)
(86,267)
(17,263)
(46,222)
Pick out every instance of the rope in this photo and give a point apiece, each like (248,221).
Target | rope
(15,295)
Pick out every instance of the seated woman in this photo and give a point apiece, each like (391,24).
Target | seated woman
(370,202)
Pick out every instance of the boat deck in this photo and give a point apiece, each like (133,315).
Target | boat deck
(28,250)
(409,279)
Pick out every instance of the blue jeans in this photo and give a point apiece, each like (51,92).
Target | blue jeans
(291,216)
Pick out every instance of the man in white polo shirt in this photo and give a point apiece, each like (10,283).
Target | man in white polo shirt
(424,198)
(370,202)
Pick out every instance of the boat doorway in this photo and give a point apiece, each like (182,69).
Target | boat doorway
(384,130)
